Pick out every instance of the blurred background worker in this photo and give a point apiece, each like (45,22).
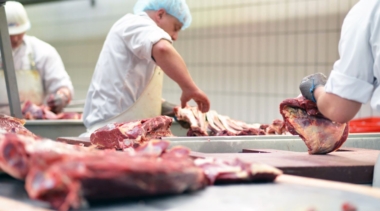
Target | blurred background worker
(41,75)
(354,79)
(126,84)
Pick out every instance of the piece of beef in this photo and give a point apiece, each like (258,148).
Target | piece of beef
(104,175)
(18,151)
(14,125)
(321,135)
(32,111)
(130,134)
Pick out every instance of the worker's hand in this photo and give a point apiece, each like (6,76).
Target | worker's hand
(310,83)
(198,96)
(59,100)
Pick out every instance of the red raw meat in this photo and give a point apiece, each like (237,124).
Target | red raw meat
(321,135)
(18,153)
(131,134)
(14,125)
(32,111)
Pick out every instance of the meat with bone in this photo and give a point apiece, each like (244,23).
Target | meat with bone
(214,124)
(130,134)
(14,125)
(19,152)
(321,135)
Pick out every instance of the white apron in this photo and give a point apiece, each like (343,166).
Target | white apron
(148,105)
(29,85)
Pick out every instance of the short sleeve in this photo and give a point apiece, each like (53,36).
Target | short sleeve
(352,76)
(141,36)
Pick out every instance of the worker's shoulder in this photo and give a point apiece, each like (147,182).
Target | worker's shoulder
(38,44)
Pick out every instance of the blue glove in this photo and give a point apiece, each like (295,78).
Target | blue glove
(310,83)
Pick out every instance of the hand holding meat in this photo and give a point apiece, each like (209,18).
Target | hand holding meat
(310,83)
(198,96)
(59,100)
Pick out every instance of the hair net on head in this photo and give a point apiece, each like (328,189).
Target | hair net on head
(176,8)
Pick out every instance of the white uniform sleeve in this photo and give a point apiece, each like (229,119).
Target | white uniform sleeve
(352,77)
(51,67)
(141,37)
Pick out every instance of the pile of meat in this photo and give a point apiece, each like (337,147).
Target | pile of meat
(32,111)
(67,176)
(320,134)
(131,134)
(214,124)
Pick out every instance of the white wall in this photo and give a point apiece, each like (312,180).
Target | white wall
(247,55)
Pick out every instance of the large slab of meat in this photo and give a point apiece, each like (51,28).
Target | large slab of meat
(321,135)
(150,169)
(214,124)
(129,134)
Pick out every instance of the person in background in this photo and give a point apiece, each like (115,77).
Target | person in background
(41,75)
(126,84)
(354,78)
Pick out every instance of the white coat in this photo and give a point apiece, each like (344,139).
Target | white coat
(356,74)
(124,68)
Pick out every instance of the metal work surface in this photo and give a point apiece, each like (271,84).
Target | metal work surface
(9,70)
(68,128)
(261,196)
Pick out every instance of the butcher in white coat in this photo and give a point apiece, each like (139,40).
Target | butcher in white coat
(127,83)
(355,76)
(41,75)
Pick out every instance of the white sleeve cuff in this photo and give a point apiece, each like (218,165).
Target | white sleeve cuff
(349,87)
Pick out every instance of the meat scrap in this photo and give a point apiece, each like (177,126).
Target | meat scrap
(131,134)
(321,135)
(32,111)
(214,124)
(14,125)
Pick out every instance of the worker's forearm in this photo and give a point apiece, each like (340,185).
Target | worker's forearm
(172,64)
(334,107)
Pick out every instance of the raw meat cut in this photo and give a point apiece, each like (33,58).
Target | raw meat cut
(214,124)
(114,175)
(14,125)
(32,111)
(150,169)
(321,135)
(131,134)
(19,152)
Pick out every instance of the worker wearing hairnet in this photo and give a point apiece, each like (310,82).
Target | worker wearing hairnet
(41,75)
(354,79)
(127,83)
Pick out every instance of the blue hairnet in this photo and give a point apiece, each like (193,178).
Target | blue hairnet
(176,8)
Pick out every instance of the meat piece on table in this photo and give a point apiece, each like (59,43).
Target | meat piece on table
(19,152)
(14,125)
(131,134)
(103,175)
(321,135)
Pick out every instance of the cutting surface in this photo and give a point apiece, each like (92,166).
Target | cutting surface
(287,193)
(346,165)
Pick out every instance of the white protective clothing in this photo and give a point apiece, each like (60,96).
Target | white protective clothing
(355,75)
(176,8)
(46,61)
(124,69)
(18,21)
